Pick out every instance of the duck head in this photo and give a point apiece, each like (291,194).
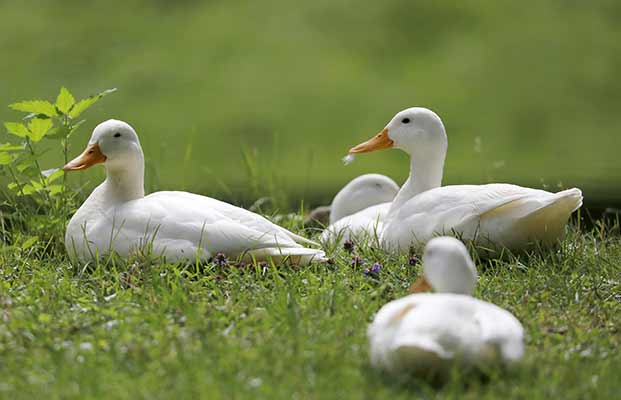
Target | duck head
(113,143)
(447,268)
(417,131)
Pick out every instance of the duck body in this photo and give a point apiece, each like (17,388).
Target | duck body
(361,193)
(117,216)
(431,332)
(179,226)
(498,215)
(359,207)
(423,332)
(364,224)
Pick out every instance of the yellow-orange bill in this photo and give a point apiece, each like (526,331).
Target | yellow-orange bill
(420,286)
(89,157)
(377,142)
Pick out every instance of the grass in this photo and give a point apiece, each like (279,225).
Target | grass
(135,329)
(276,93)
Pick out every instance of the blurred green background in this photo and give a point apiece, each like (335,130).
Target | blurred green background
(529,91)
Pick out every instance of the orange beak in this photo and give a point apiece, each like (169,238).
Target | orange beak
(420,286)
(377,142)
(91,156)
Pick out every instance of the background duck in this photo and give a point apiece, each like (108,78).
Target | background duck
(494,214)
(118,217)
(360,205)
(429,332)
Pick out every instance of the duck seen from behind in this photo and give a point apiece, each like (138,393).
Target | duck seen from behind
(363,192)
(431,332)
(361,205)
(497,215)
(118,217)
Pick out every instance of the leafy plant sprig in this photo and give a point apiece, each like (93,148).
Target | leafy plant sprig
(20,162)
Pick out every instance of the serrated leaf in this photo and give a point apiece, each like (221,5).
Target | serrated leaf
(10,147)
(36,185)
(6,158)
(28,189)
(35,107)
(57,132)
(38,128)
(24,165)
(65,100)
(83,104)
(17,129)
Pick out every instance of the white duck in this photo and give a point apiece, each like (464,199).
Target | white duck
(360,206)
(493,214)
(118,217)
(428,332)
(361,193)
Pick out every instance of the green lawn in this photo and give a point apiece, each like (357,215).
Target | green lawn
(241,100)
(139,330)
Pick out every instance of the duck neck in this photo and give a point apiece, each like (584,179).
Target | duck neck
(124,181)
(425,174)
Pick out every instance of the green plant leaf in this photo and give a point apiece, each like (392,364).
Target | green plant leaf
(76,126)
(57,132)
(28,189)
(36,185)
(11,147)
(55,189)
(83,104)
(65,100)
(6,158)
(38,128)
(35,107)
(17,129)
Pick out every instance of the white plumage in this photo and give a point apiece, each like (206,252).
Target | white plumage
(360,206)
(427,332)
(118,217)
(493,215)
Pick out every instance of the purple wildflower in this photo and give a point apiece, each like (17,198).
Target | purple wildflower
(220,259)
(376,268)
(373,271)
(356,261)
(413,260)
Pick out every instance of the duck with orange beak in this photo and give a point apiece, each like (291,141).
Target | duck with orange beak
(430,332)
(118,218)
(494,215)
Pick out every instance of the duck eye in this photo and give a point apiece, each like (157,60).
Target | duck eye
(405,120)
(117,135)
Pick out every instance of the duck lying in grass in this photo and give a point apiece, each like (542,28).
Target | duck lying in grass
(362,193)
(369,192)
(118,217)
(493,215)
(429,333)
